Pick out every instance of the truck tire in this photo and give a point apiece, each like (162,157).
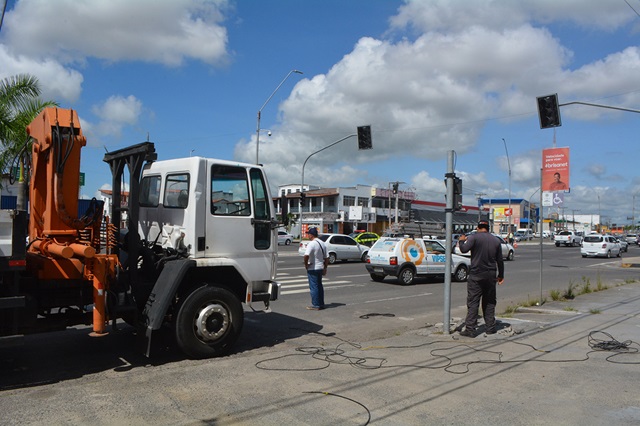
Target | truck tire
(406,276)
(377,277)
(208,322)
(461,273)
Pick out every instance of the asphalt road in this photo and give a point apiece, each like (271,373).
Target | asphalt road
(56,370)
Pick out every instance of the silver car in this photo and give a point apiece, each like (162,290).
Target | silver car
(284,238)
(339,247)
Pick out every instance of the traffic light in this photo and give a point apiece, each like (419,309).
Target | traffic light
(457,193)
(395,188)
(549,111)
(364,137)
(303,196)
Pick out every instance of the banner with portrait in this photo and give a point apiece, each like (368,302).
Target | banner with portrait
(555,169)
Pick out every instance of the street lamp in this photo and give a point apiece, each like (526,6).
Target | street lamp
(265,104)
(509,166)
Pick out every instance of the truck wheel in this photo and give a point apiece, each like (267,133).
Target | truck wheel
(332,258)
(406,276)
(377,277)
(208,322)
(461,273)
(510,255)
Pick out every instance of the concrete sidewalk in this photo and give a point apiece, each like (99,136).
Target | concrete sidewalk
(543,367)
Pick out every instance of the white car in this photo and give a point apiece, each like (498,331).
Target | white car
(284,238)
(339,247)
(407,258)
(599,245)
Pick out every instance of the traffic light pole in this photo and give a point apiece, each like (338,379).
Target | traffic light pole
(364,142)
(446,323)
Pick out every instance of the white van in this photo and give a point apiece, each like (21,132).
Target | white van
(406,258)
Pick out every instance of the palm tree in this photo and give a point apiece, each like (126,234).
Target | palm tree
(19,105)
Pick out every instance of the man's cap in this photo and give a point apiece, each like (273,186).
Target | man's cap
(313,231)
(483,224)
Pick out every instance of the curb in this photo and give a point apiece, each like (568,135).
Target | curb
(545,311)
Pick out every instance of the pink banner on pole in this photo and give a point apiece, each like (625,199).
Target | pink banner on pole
(555,169)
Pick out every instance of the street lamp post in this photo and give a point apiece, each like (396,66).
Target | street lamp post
(262,107)
(509,166)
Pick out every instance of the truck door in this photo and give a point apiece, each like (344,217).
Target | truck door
(238,217)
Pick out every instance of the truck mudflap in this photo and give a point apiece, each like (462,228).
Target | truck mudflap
(161,298)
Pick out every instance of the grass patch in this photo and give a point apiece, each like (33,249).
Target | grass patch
(569,294)
(594,311)
(555,295)
(586,286)
(570,309)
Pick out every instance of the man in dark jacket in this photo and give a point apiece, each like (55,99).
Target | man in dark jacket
(487,268)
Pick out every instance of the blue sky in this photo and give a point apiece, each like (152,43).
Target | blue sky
(429,76)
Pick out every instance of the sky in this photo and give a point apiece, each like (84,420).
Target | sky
(428,76)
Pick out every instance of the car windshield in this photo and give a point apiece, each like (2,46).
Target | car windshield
(323,237)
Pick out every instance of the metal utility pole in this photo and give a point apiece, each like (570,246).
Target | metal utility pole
(509,166)
(479,196)
(446,323)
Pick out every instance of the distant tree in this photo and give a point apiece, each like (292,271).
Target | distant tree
(19,105)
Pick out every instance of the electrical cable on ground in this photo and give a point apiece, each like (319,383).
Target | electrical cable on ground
(348,399)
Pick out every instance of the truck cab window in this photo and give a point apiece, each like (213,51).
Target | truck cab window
(176,192)
(229,191)
(262,213)
(150,191)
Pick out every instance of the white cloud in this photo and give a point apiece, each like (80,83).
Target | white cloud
(114,114)
(57,82)
(53,40)
(166,32)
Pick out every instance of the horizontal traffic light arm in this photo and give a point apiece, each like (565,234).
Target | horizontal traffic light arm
(600,106)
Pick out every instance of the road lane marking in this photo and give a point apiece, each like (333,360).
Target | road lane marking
(389,299)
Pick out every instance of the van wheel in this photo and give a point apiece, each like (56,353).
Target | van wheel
(208,322)
(461,274)
(406,276)
(377,277)
(510,255)
(332,258)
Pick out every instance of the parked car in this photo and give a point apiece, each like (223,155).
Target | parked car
(632,238)
(284,238)
(624,245)
(365,238)
(600,245)
(339,247)
(407,258)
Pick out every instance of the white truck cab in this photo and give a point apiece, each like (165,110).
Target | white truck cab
(406,258)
